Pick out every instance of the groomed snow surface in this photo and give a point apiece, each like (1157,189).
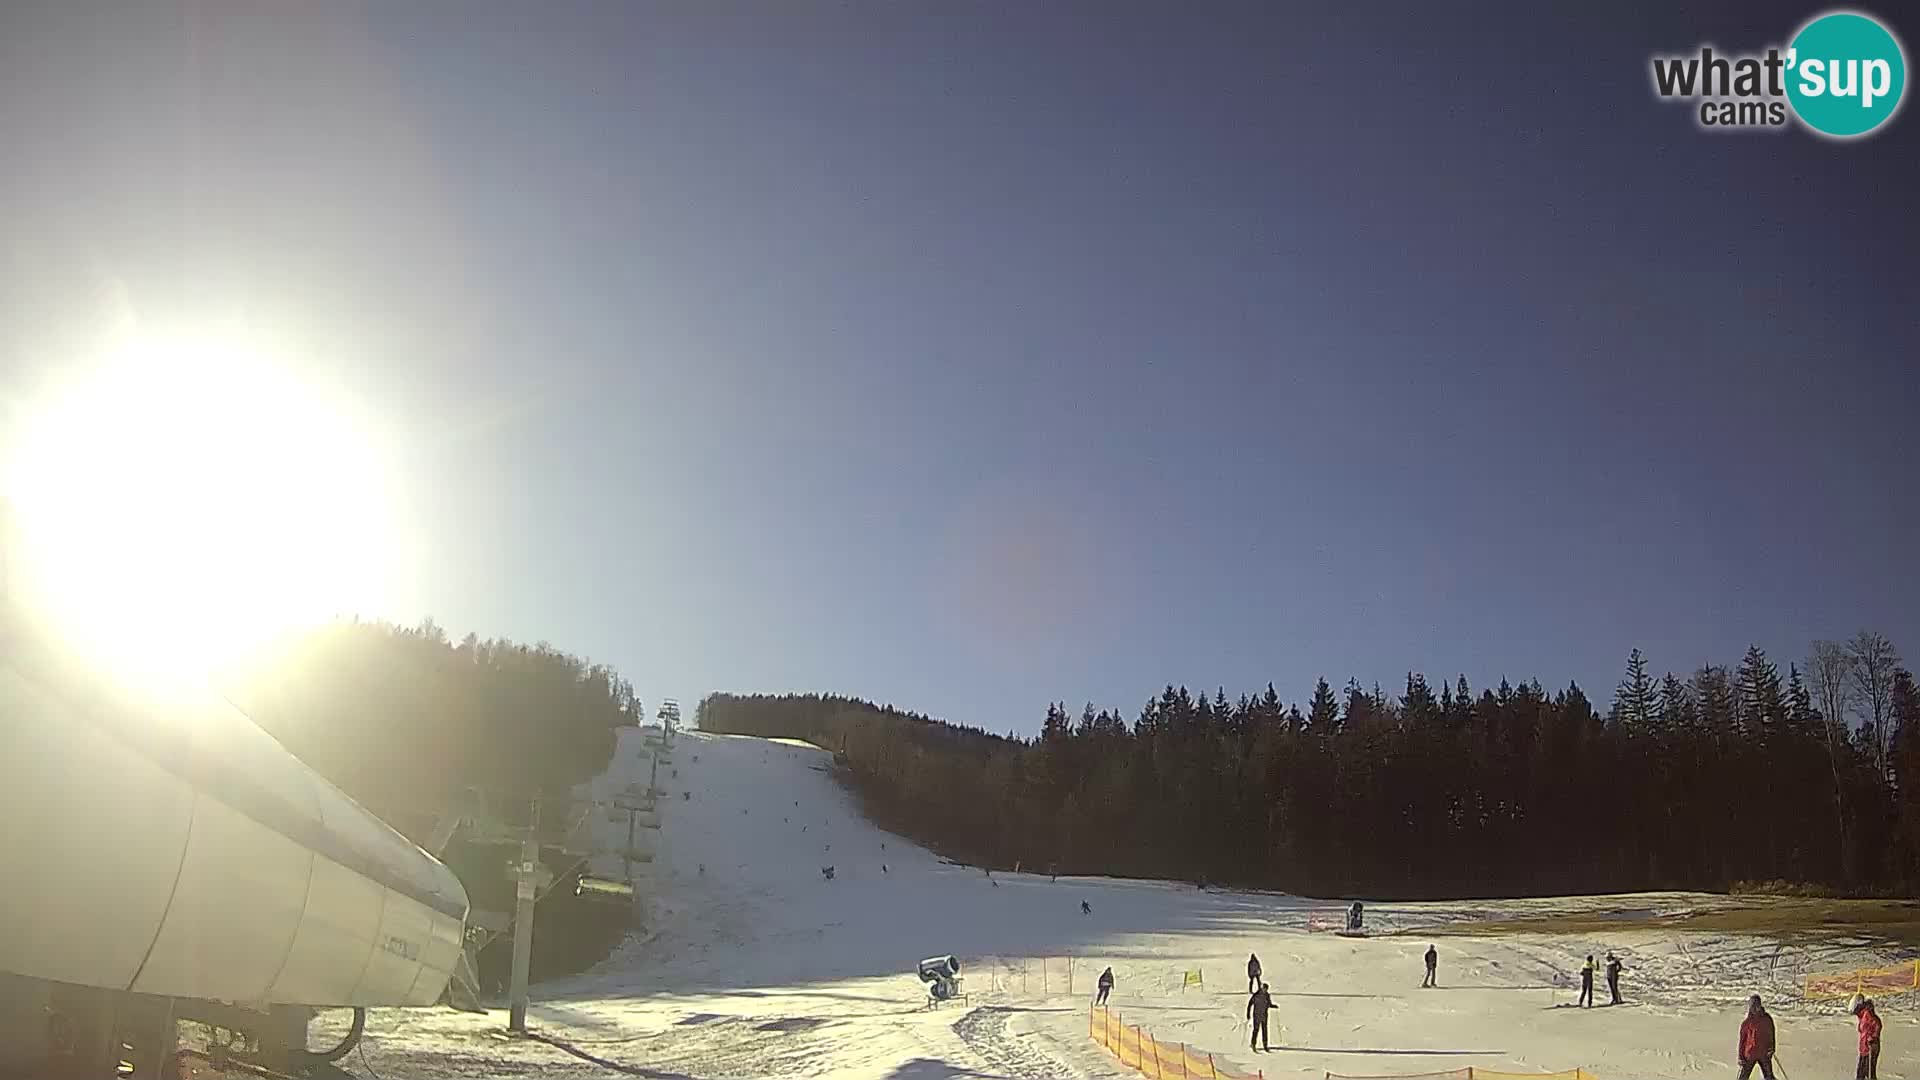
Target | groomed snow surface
(754,965)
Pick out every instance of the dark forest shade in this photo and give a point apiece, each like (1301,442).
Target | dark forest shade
(402,719)
(1701,783)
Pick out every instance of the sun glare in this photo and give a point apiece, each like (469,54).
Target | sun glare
(183,503)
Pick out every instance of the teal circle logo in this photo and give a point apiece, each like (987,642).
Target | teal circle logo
(1846,74)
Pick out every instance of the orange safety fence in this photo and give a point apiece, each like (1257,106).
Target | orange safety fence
(1897,979)
(1138,1049)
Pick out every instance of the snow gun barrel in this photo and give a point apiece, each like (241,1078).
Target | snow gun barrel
(935,968)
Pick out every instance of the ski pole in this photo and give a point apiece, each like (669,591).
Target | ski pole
(1781,1065)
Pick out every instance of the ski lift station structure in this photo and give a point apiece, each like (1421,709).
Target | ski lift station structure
(167,859)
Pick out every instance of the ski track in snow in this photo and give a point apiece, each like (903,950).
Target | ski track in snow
(759,967)
(984,1030)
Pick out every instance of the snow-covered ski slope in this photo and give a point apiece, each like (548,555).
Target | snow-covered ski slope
(755,965)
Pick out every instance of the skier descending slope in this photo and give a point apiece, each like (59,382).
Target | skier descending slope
(1253,972)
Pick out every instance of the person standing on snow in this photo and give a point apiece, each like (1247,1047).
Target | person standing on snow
(1106,987)
(1613,978)
(1869,1021)
(1253,972)
(1257,1008)
(1756,1040)
(1433,969)
(1586,983)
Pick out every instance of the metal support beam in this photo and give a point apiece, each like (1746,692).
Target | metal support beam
(524,890)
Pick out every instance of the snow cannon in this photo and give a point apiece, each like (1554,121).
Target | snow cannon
(942,976)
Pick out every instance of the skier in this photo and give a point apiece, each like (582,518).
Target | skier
(883,868)
(826,872)
(1257,1007)
(1869,1021)
(1086,908)
(1756,1040)
(1106,987)
(1613,978)
(1433,969)
(1586,983)
(1253,972)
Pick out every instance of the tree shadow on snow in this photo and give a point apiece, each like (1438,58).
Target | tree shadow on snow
(568,1013)
(747,993)
(935,1069)
(1467,986)
(606,1063)
(792,1023)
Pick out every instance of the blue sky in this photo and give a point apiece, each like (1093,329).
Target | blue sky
(971,356)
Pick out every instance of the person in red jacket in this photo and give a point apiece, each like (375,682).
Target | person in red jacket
(1756,1040)
(1869,1021)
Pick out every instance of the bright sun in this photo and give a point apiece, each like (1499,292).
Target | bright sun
(185,502)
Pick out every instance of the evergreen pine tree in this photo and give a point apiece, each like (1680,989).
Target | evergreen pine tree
(1633,700)
(1323,712)
(1674,708)
(1802,720)
(1762,709)
(1418,709)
